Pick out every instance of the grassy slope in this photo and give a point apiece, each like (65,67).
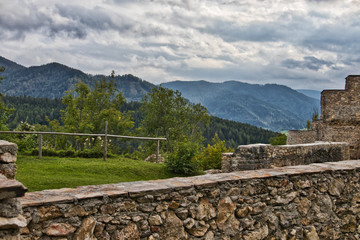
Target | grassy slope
(52,172)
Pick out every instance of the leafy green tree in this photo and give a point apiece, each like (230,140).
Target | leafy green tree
(279,140)
(211,156)
(87,109)
(5,112)
(167,114)
(183,159)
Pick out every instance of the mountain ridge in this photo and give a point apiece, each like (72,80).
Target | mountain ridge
(52,80)
(270,106)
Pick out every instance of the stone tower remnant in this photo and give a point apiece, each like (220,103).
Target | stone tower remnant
(340,118)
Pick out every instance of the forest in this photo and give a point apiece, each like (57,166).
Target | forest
(40,110)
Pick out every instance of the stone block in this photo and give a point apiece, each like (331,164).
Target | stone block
(8,147)
(7,158)
(8,170)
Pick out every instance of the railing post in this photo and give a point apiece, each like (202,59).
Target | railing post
(157,150)
(40,145)
(105,140)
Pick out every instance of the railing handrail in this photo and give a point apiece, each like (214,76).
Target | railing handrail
(82,134)
(105,135)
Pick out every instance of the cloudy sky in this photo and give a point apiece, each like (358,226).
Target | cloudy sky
(304,44)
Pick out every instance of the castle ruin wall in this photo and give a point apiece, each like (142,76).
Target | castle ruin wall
(258,156)
(317,201)
(299,136)
(11,218)
(340,118)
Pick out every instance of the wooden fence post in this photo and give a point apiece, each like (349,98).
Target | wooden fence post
(40,145)
(105,140)
(157,150)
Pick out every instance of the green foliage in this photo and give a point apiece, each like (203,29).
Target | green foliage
(210,157)
(46,112)
(279,140)
(167,114)
(87,111)
(25,142)
(308,125)
(5,112)
(86,153)
(315,115)
(32,110)
(183,159)
(236,133)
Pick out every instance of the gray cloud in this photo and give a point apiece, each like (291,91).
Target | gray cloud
(308,62)
(293,43)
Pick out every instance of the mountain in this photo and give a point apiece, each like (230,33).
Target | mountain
(269,106)
(53,79)
(310,93)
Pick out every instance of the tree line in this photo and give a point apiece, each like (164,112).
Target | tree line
(40,110)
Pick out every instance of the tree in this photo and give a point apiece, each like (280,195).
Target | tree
(167,114)
(315,115)
(5,112)
(211,156)
(88,109)
(279,140)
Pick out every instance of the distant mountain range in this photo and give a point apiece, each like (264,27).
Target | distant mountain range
(53,79)
(310,93)
(269,106)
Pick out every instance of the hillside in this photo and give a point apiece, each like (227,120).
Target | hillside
(270,106)
(53,79)
(35,110)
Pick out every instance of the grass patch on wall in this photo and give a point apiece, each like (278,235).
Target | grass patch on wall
(54,172)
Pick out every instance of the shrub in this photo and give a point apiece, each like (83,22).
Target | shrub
(183,159)
(278,140)
(54,153)
(90,153)
(211,156)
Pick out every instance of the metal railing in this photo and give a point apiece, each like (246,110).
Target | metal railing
(105,135)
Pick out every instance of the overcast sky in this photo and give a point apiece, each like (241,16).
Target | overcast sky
(305,44)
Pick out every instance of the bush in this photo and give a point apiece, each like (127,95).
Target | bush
(90,153)
(183,159)
(54,153)
(278,140)
(211,156)
(87,153)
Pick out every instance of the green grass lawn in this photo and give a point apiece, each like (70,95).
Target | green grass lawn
(53,172)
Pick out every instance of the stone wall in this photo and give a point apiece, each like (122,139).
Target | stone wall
(258,156)
(8,153)
(342,105)
(11,220)
(295,202)
(299,136)
(340,118)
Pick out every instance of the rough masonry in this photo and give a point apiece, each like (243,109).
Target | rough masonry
(258,156)
(340,118)
(11,219)
(317,201)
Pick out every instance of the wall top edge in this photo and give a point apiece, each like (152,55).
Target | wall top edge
(143,188)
